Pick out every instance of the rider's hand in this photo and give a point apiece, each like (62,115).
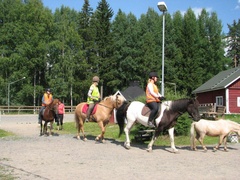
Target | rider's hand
(162,98)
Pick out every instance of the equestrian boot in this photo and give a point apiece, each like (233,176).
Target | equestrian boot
(150,124)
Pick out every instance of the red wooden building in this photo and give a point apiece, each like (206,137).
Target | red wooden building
(222,90)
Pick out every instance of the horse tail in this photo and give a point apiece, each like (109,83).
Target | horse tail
(192,132)
(76,117)
(121,115)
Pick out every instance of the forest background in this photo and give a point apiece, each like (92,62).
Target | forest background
(64,49)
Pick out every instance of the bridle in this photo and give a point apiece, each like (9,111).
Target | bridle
(111,107)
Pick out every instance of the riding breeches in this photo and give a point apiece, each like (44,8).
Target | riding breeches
(154,109)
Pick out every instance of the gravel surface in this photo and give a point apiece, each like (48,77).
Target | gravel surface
(64,157)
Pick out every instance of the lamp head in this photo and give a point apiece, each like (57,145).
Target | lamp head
(162,6)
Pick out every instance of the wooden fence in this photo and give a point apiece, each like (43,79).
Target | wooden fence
(28,109)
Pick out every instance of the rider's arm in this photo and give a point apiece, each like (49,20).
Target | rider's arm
(150,89)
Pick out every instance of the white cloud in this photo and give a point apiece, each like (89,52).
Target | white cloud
(197,11)
(238,5)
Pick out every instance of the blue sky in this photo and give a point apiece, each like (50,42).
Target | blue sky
(227,10)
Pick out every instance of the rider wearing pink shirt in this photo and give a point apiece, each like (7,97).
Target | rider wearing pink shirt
(61,112)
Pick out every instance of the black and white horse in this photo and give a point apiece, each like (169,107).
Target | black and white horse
(167,118)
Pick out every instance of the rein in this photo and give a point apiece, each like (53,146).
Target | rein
(110,107)
(104,106)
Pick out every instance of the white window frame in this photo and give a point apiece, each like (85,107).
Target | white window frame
(219,100)
(238,101)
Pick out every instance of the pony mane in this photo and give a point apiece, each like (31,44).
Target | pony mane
(108,97)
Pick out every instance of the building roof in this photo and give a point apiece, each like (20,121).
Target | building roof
(221,81)
(132,92)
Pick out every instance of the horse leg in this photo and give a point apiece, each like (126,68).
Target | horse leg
(149,149)
(79,129)
(127,129)
(200,139)
(51,127)
(219,143)
(171,135)
(225,143)
(41,129)
(101,136)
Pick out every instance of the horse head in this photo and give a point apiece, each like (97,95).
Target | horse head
(119,100)
(192,109)
(53,106)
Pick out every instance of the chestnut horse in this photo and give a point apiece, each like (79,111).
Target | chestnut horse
(48,116)
(216,128)
(102,115)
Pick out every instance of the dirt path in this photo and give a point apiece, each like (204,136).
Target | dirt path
(64,157)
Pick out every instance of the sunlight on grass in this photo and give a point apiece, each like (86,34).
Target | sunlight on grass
(112,132)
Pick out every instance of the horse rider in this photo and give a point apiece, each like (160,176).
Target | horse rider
(153,97)
(47,98)
(93,96)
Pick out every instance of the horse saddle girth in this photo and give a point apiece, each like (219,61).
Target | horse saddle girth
(85,108)
(146,111)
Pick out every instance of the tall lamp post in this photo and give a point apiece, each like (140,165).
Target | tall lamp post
(163,8)
(9,90)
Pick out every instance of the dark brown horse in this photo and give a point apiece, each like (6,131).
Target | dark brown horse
(102,114)
(48,116)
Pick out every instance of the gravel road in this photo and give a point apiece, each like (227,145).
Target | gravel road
(64,157)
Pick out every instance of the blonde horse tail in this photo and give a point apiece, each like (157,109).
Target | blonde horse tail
(76,118)
(120,116)
(192,134)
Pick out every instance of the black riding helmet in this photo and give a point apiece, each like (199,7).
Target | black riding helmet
(153,74)
(48,89)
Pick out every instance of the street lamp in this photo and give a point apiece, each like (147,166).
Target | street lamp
(163,8)
(9,90)
(174,84)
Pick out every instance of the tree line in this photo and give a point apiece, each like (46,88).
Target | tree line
(64,49)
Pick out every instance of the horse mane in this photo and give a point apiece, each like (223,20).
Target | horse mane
(181,104)
(106,98)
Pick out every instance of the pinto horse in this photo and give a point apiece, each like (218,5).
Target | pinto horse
(166,119)
(48,116)
(219,128)
(101,114)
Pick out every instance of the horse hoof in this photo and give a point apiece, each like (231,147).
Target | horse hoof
(149,150)
(226,150)
(84,139)
(175,151)
(103,141)
(97,139)
(127,147)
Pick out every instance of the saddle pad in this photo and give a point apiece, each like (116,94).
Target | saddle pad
(85,108)
(146,111)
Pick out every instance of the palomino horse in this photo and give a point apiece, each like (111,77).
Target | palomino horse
(167,118)
(101,114)
(219,128)
(48,116)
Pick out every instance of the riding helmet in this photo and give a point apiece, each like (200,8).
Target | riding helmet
(48,89)
(95,79)
(153,74)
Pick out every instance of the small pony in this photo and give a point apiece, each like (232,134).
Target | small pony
(48,116)
(219,128)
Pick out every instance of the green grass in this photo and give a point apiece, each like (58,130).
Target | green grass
(5,133)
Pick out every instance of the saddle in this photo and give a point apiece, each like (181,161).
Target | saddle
(146,111)
(85,108)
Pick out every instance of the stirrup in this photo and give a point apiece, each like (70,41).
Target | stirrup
(151,125)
